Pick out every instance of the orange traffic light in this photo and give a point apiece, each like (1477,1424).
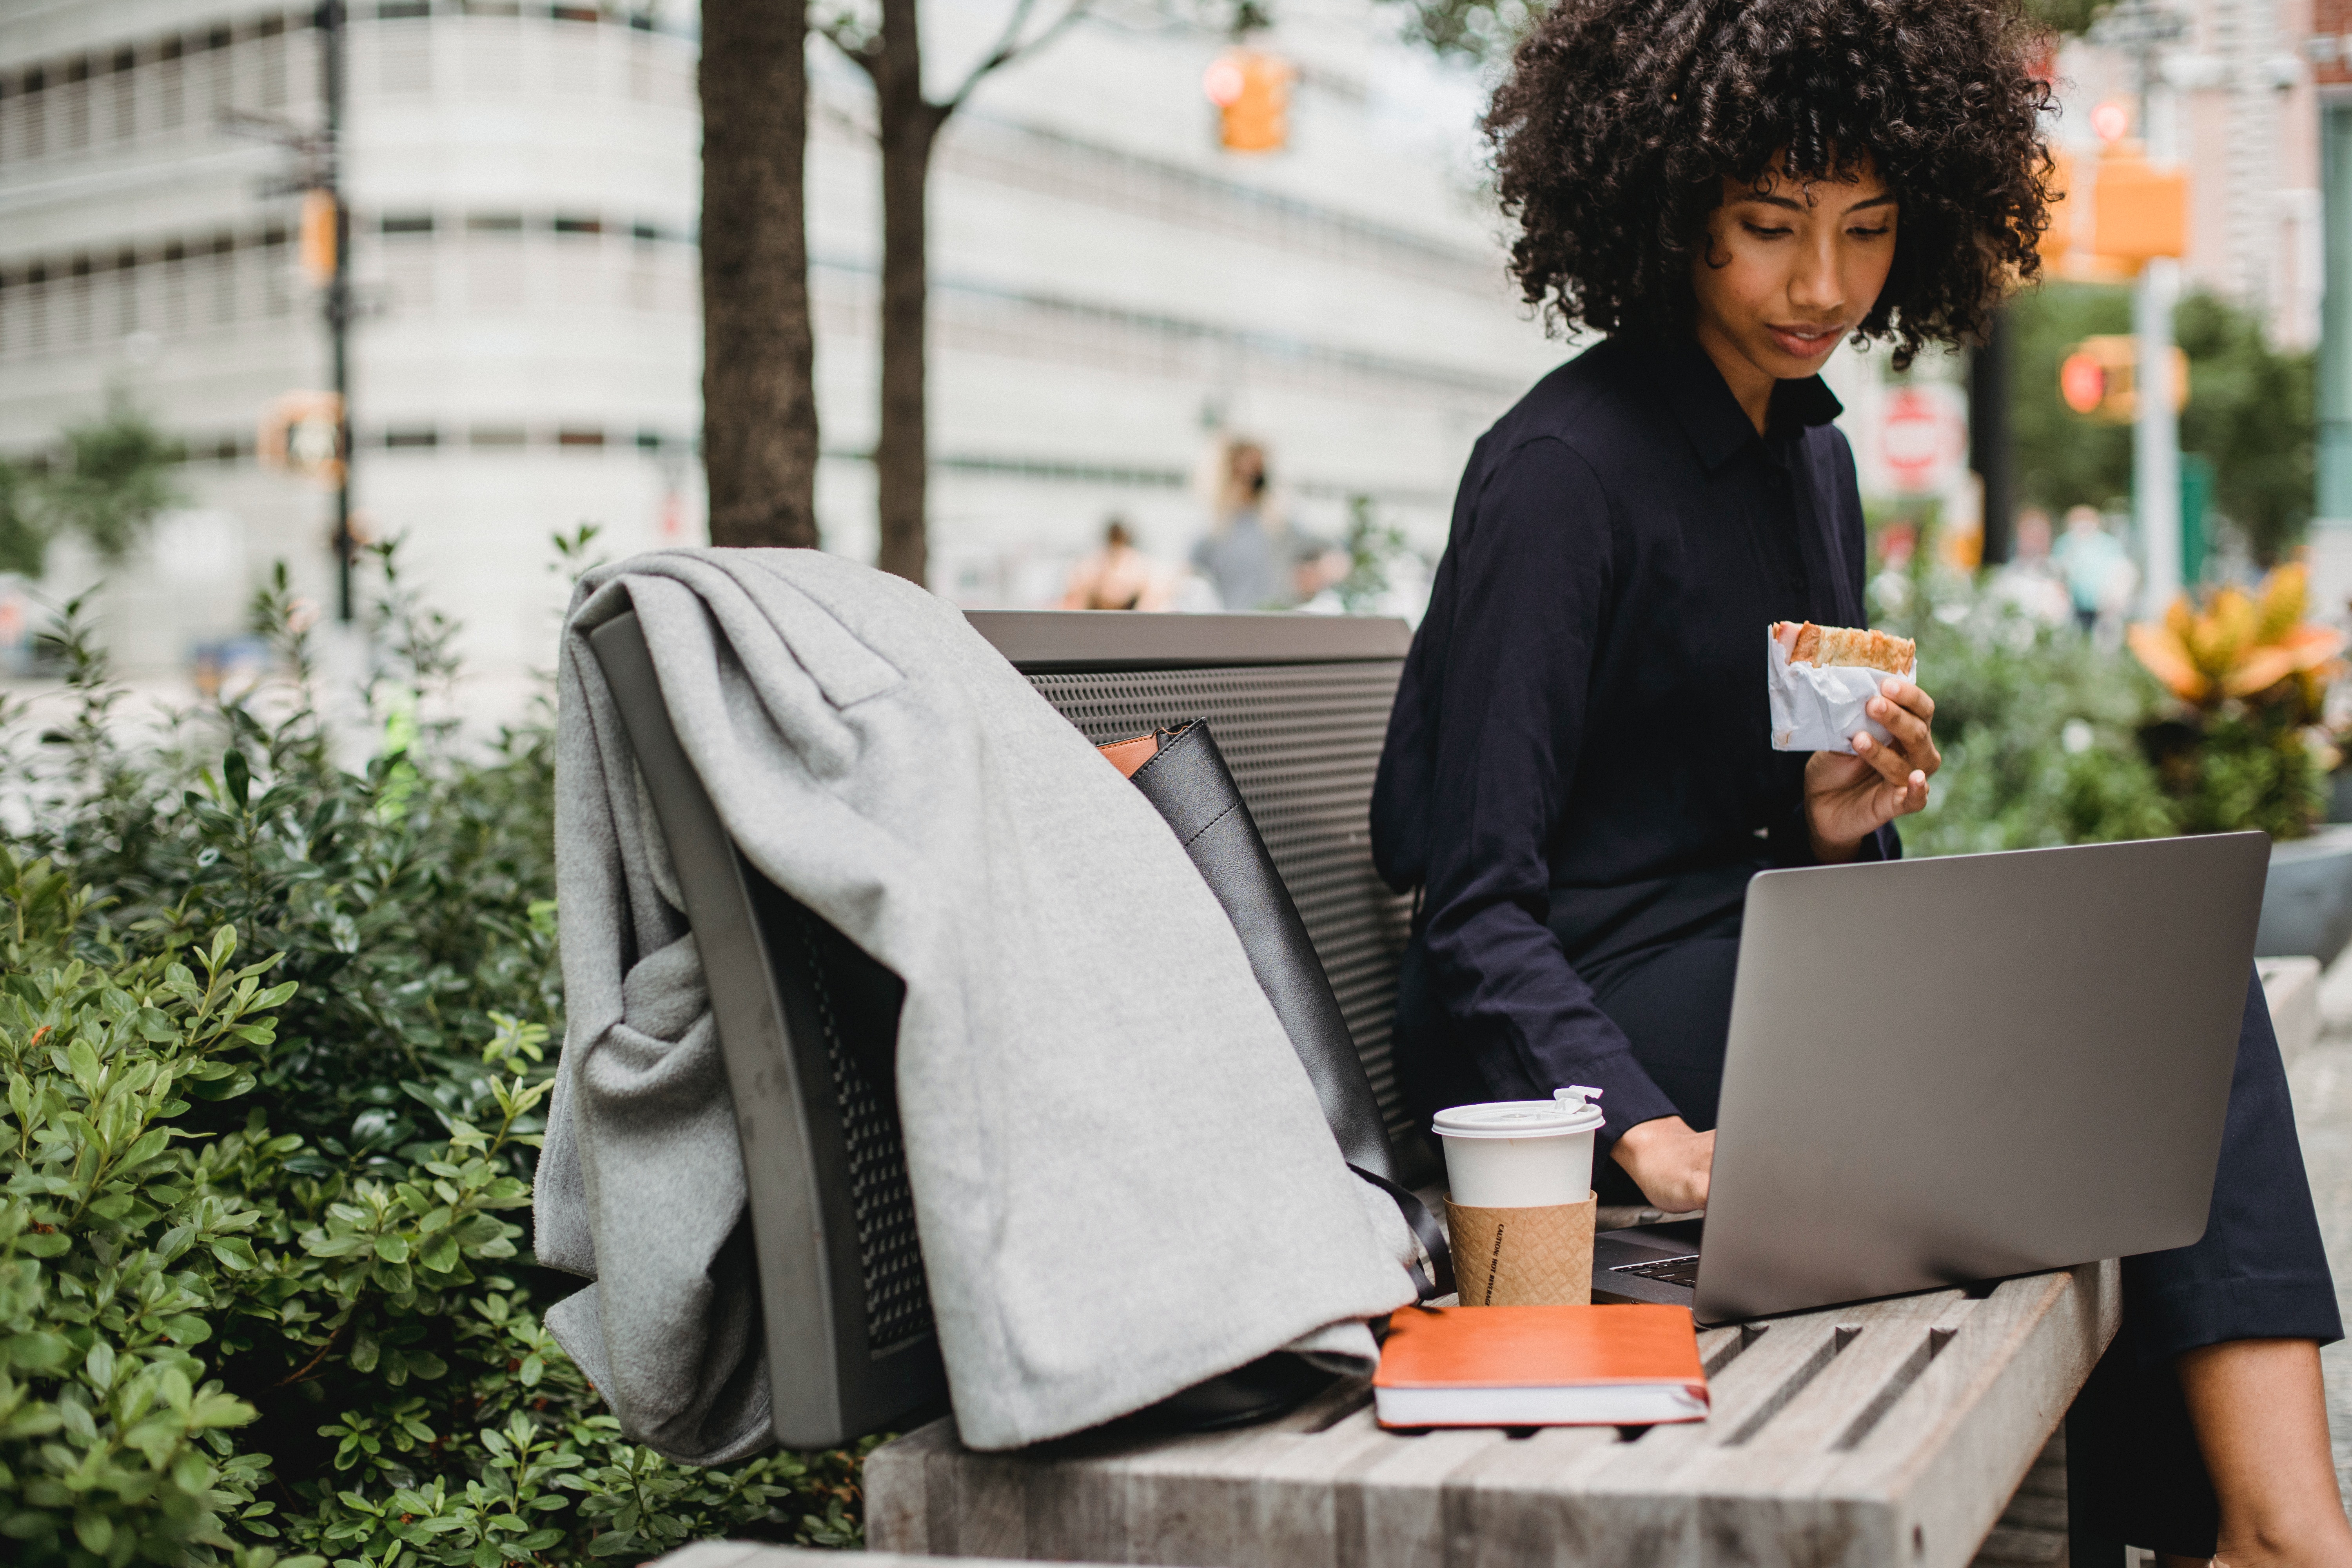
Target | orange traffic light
(2059,238)
(316,241)
(1252,92)
(2099,379)
(2140,212)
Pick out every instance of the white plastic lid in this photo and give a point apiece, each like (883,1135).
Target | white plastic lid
(1519,1118)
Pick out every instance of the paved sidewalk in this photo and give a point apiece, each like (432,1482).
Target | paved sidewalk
(2322,1081)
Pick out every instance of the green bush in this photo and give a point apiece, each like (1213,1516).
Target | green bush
(2039,729)
(2050,738)
(264,1279)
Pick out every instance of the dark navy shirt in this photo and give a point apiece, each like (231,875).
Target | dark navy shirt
(1579,767)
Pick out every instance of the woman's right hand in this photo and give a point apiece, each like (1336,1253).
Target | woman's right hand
(1668,1161)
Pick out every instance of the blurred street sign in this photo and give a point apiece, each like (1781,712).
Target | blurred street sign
(1923,438)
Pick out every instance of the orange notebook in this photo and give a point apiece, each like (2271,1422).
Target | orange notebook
(1540,1366)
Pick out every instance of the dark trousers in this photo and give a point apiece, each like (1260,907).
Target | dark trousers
(2259,1272)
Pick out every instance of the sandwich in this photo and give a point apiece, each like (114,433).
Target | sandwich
(1826,646)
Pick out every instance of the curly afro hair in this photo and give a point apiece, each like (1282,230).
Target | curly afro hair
(1620,118)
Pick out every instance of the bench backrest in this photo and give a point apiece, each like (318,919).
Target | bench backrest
(1298,704)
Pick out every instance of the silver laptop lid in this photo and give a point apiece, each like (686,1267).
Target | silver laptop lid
(1953,1069)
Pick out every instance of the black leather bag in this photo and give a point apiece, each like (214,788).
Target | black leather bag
(1183,775)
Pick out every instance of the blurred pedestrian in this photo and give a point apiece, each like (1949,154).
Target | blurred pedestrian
(1118,576)
(1247,555)
(2099,574)
(2030,579)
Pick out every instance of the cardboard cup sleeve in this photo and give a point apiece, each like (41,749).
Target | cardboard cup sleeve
(1523,1257)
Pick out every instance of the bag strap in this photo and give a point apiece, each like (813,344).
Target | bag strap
(1439,1279)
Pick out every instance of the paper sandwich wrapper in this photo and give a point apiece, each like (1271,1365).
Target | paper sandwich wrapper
(1818,708)
(1523,1257)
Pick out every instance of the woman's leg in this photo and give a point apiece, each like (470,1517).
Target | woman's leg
(2204,1426)
(2259,1411)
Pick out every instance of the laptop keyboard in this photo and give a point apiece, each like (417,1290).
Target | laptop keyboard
(1666,1271)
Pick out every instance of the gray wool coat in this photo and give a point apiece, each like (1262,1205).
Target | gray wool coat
(1122,1183)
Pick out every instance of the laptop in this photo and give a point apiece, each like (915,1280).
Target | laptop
(1951,1071)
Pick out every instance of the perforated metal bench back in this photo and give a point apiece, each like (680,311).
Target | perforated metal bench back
(1303,741)
(1299,706)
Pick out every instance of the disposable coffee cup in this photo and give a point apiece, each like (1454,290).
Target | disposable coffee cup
(1520,1153)
(1520,1209)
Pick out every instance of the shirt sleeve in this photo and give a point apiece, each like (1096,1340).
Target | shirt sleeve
(1533,562)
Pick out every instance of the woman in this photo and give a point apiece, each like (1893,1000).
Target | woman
(1578,778)
(1247,555)
(1118,576)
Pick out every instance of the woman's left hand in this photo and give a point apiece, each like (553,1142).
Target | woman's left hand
(1848,798)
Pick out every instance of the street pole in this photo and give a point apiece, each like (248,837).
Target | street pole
(2143,28)
(1992,447)
(2156,431)
(2156,422)
(331,20)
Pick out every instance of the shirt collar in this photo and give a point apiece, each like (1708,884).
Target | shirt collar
(1682,374)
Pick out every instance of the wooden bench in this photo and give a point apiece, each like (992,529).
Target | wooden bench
(1895,1433)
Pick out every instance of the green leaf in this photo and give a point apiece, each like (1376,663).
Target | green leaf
(186,1329)
(235,1252)
(151,1144)
(93,1530)
(38,1350)
(237,775)
(392,1248)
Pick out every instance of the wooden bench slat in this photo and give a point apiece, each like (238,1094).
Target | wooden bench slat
(1952,1451)
(1889,1435)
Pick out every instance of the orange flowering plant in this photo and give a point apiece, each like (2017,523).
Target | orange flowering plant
(2243,647)
(2253,675)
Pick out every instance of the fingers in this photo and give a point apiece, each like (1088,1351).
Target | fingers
(1912,758)
(1909,733)
(1915,794)
(1896,690)
(1905,787)
(1889,761)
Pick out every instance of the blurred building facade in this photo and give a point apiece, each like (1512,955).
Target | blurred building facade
(2328,48)
(1110,291)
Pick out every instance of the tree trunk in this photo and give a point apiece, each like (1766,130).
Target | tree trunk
(908,125)
(759,393)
